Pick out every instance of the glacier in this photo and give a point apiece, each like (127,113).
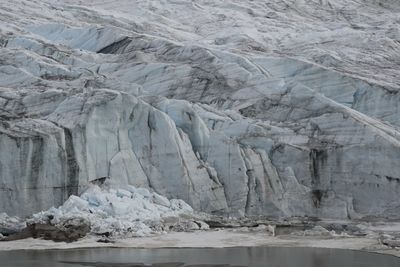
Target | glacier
(239,108)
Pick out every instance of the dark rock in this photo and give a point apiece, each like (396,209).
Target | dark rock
(68,230)
(105,240)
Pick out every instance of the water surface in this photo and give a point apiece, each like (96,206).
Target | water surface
(194,257)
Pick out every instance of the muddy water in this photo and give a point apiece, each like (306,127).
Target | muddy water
(197,257)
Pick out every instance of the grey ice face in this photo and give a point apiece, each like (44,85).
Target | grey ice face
(253,108)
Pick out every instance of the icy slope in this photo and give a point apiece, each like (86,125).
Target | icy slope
(278,108)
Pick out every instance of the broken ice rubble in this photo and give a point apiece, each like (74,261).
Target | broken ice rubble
(124,212)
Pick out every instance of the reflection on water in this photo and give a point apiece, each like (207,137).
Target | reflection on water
(166,264)
(197,257)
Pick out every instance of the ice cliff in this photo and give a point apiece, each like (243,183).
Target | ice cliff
(278,108)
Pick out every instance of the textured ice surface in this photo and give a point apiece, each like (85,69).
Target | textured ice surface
(280,107)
